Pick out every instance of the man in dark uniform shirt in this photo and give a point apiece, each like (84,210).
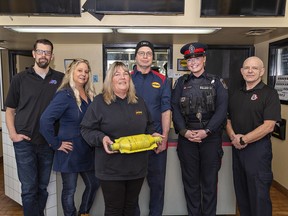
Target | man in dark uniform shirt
(199,109)
(252,114)
(155,89)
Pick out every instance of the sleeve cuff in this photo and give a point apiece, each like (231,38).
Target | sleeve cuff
(183,132)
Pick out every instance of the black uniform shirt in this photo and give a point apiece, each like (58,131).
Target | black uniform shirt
(248,109)
(221,102)
(30,94)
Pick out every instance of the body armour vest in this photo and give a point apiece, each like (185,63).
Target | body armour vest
(198,98)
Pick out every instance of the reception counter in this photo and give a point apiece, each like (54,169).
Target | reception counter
(174,195)
(175,203)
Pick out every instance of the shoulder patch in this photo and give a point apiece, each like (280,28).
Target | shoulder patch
(223,83)
(175,83)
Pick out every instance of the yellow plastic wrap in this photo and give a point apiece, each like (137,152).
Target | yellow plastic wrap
(135,143)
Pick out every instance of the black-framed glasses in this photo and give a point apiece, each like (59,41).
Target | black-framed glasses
(142,53)
(41,52)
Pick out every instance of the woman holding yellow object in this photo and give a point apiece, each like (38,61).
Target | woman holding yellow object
(116,113)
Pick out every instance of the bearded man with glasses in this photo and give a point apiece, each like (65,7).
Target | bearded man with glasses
(29,94)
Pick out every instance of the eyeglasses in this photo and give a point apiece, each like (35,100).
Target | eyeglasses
(142,54)
(41,52)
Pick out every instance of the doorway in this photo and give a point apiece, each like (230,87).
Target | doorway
(126,53)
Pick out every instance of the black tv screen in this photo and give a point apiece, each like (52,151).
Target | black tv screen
(210,8)
(135,6)
(40,7)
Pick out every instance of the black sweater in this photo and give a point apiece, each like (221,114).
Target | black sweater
(116,120)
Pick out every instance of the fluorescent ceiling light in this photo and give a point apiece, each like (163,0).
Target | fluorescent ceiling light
(2,48)
(61,29)
(160,30)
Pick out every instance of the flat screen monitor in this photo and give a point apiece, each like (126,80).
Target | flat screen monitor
(40,7)
(135,6)
(214,8)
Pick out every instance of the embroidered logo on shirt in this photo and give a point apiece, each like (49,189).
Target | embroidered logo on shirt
(156,85)
(254,97)
(139,112)
(53,82)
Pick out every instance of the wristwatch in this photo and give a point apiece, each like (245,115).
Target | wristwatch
(208,132)
(242,141)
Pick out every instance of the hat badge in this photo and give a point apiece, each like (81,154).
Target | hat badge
(191,48)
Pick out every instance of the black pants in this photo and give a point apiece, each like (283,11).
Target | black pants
(121,196)
(200,163)
(253,178)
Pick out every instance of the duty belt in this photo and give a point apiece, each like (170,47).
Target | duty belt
(196,125)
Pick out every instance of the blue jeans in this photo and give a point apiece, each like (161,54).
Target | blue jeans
(34,164)
(69,181)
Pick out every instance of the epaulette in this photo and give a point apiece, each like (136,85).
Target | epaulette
(183,78)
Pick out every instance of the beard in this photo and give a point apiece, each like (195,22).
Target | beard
(43,63)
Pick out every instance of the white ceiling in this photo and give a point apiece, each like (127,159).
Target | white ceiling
(228,35)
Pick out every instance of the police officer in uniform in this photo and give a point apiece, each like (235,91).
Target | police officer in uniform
(199,108)
(252,113)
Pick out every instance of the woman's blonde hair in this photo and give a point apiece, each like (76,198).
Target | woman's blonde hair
(68,81)
(108,92)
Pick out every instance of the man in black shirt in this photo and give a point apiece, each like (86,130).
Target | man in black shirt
(253,111)
(29,94)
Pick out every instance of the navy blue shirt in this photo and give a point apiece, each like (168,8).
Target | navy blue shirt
(155,89)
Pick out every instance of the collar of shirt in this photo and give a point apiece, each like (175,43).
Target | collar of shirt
(139,72)
(32,71)
(260,85)
(192,76)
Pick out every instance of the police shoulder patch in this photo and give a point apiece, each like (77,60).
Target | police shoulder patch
(223,83)
(175,83)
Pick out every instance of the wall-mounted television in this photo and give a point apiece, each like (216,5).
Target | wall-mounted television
(224,8)
(135,6)
(40,7)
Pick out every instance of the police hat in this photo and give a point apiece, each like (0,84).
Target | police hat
(193,50)
(142,44)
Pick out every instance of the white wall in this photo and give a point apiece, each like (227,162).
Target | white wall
(91,52)
(280,147)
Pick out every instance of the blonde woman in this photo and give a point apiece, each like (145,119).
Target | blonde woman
(73,155)
(115,113)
